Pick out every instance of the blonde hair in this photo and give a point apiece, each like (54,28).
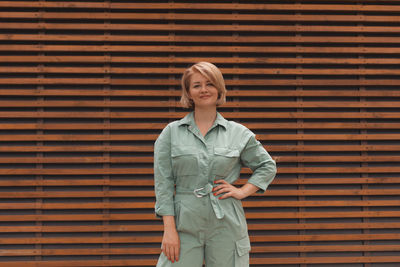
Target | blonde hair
(209,71)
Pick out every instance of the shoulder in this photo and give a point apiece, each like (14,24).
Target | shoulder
(239,134)
(170,128)
(238,128)
(173,125)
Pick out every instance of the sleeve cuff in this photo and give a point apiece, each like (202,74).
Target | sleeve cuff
(164,212)
(261,187)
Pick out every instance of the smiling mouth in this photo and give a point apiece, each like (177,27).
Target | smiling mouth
(205,96)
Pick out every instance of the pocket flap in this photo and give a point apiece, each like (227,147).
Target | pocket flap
(226,152)
(243,246)
(182,150)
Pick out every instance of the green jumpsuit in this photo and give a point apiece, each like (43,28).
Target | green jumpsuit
(186,164)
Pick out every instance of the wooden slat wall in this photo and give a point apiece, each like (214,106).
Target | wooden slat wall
(86,87)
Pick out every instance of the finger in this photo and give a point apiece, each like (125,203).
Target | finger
(226,195)
(172,254)
(177,253)
(219,187)
(222,190)
(221,181)
(167,253)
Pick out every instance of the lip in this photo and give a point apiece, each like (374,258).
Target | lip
(205,96)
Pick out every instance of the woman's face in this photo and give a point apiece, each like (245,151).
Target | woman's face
(202,91)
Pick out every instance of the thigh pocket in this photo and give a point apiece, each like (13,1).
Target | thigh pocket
(225,160)
(242,252)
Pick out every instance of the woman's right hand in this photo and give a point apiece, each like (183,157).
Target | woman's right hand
(170,243)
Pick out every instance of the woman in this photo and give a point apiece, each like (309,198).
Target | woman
(196,160)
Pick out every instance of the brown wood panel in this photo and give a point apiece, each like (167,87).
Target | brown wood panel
(86,87)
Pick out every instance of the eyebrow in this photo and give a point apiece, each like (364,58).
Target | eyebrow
(199,82)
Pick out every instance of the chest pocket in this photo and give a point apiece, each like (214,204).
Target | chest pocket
(225,160)
(184,160)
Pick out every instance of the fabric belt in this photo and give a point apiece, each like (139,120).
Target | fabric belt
(206,190)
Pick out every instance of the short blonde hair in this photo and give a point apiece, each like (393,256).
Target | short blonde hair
(212,73)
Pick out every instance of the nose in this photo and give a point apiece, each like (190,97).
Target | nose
(203,88)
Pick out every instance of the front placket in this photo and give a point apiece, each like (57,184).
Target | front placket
(205,157)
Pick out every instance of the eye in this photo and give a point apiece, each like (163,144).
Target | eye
(210,84)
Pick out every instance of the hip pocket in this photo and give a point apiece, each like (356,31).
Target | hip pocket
(188,219)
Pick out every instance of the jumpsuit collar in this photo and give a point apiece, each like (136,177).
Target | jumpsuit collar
(189,120)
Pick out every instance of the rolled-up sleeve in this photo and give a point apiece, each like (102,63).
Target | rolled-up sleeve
(260,162)
(163,177)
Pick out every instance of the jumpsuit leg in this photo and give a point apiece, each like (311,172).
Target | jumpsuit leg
(191,253)
(227,243)
(191,221)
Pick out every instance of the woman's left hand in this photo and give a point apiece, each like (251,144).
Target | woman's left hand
(228,189)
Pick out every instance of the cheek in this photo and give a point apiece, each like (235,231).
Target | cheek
(216,93)
(191,93)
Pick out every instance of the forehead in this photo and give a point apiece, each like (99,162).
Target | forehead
(197,77)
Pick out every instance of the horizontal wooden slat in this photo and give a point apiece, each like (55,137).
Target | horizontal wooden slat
(228,115)
(272,148)
(144,251)
(146,193)
(159,126)
(258,261)
(83,160)
(198,28)
(197,39)
(149,182)
(149,137)
(143,171)
(150,205)
(208,6)
(164,82)
(200,16)
(203,49)
(275,71)
(188,60)
(159,228)
(177,93)
(143,240)
(155,104)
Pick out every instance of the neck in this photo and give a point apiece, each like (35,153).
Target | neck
(205,115)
